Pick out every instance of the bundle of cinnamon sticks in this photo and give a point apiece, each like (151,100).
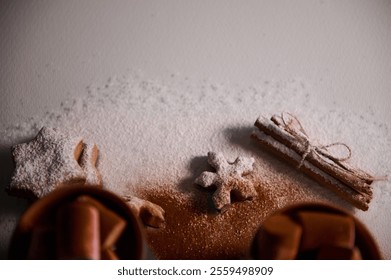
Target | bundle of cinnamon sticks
(285,137)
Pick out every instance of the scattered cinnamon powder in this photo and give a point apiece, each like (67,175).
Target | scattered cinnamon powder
(195,230)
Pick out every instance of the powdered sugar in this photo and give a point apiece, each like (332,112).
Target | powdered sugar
(142,127)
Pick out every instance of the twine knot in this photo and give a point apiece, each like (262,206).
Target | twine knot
(293,126)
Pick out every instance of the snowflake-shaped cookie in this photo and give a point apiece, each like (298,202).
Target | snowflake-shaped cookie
(228,179)
(51,159)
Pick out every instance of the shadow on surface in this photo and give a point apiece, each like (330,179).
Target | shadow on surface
(196,166)
(10,207)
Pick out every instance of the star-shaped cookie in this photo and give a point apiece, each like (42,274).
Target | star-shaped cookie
(46,162)
(228,179)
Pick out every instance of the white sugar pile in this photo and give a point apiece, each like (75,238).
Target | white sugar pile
(153,132)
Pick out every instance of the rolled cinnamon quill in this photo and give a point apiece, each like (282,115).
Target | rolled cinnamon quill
(77,231)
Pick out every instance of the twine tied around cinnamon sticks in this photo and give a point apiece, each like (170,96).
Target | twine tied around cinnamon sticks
(291,124)
(285,136)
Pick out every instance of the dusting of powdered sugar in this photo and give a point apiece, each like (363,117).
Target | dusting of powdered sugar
(45,163)
(154,134)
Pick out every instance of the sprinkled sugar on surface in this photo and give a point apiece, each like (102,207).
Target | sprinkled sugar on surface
(153,136)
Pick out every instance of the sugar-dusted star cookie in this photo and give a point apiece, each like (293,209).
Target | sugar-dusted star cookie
(46,162)
(228,179)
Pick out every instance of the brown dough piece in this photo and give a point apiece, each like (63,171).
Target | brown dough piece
(150,213)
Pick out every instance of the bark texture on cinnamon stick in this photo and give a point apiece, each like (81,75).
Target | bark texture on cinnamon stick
(291,143)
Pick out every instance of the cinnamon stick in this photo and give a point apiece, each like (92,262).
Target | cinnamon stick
(357,199)
(282,136)
(364,176)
